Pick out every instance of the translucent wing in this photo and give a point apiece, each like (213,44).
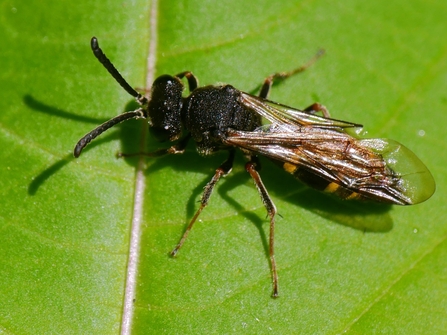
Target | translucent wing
(283,115)
(331,160)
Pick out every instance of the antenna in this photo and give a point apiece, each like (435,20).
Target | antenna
(87,138)
(99,54)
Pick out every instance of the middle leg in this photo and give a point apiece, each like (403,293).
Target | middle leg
(280,76)
(221,171)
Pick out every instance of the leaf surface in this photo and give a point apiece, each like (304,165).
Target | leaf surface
(65,224)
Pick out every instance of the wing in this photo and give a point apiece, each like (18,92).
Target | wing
(333,161)
(283,115)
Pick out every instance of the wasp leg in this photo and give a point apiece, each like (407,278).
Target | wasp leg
(317,107)
(251,168)
(178,148)
(281,76)
(193,82)
(221,171)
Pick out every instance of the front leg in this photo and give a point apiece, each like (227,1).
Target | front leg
(177,148)
(193,82)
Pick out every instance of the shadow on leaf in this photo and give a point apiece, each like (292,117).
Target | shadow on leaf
(128,133)
(363,216)
(38,106)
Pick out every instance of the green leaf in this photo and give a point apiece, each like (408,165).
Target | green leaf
(65,224)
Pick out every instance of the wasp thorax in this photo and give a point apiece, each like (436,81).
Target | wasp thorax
(165,108)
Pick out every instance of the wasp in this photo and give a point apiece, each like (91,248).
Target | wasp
(322,152)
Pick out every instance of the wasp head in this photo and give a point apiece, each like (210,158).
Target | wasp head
(165,107)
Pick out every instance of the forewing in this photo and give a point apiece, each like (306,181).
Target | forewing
(283,115)
(378,169)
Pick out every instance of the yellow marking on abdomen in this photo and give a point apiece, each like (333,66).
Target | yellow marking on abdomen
(290,168)
(353,195)
(331,188)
